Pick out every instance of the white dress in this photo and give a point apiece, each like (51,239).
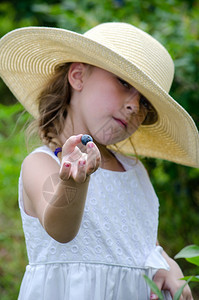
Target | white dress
(115,246)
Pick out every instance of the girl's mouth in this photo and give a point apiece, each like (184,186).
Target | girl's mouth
(121,122)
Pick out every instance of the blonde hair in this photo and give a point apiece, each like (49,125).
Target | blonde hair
(53,104)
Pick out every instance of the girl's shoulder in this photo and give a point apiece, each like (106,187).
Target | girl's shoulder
(38,165)
(38,169)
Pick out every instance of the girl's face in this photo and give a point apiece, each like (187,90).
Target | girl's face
(107,107)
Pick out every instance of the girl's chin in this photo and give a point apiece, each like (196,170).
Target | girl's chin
(109,135)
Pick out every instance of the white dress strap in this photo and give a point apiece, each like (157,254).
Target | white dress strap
(47,150)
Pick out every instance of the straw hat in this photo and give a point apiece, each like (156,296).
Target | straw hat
(29,55)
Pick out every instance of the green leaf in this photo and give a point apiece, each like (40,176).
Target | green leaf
(194,260)
(192,278)
(154,287)
(179,292)
(188,252)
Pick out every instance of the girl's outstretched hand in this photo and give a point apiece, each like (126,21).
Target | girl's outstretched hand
(77,164)
(170,280)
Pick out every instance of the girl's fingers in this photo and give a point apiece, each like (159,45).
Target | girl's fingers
(65,170)
(153,296)
(81,175)
(77,164)
(187,295)
(70,144)
(78,173)
(93,158)
(159,281)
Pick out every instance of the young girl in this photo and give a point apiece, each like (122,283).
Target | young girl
(89,212)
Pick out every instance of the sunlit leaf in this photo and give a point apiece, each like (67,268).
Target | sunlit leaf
(188,252)
(193,260)
(192,278)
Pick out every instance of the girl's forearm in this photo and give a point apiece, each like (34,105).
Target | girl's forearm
(63,213)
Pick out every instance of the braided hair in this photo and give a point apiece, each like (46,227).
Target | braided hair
(53,106)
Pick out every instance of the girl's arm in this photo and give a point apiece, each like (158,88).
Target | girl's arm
(56,196)
(170,280)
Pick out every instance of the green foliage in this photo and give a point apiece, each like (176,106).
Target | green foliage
(153,287)
(190,253)
(12,250)
(175,24)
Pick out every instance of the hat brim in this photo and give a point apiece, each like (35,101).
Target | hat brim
(28,57)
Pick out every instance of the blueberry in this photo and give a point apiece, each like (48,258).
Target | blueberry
(85,139)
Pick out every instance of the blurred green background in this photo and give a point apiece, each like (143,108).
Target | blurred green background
(175,24)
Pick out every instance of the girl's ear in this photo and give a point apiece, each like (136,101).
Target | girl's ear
(76,75)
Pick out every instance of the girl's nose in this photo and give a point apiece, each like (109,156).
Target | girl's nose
(132,103)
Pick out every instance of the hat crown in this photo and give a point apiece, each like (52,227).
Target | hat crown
(137,47)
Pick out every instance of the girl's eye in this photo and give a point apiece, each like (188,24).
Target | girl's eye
(124,83)
(146,103)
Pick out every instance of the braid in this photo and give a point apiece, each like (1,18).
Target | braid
(53,104)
